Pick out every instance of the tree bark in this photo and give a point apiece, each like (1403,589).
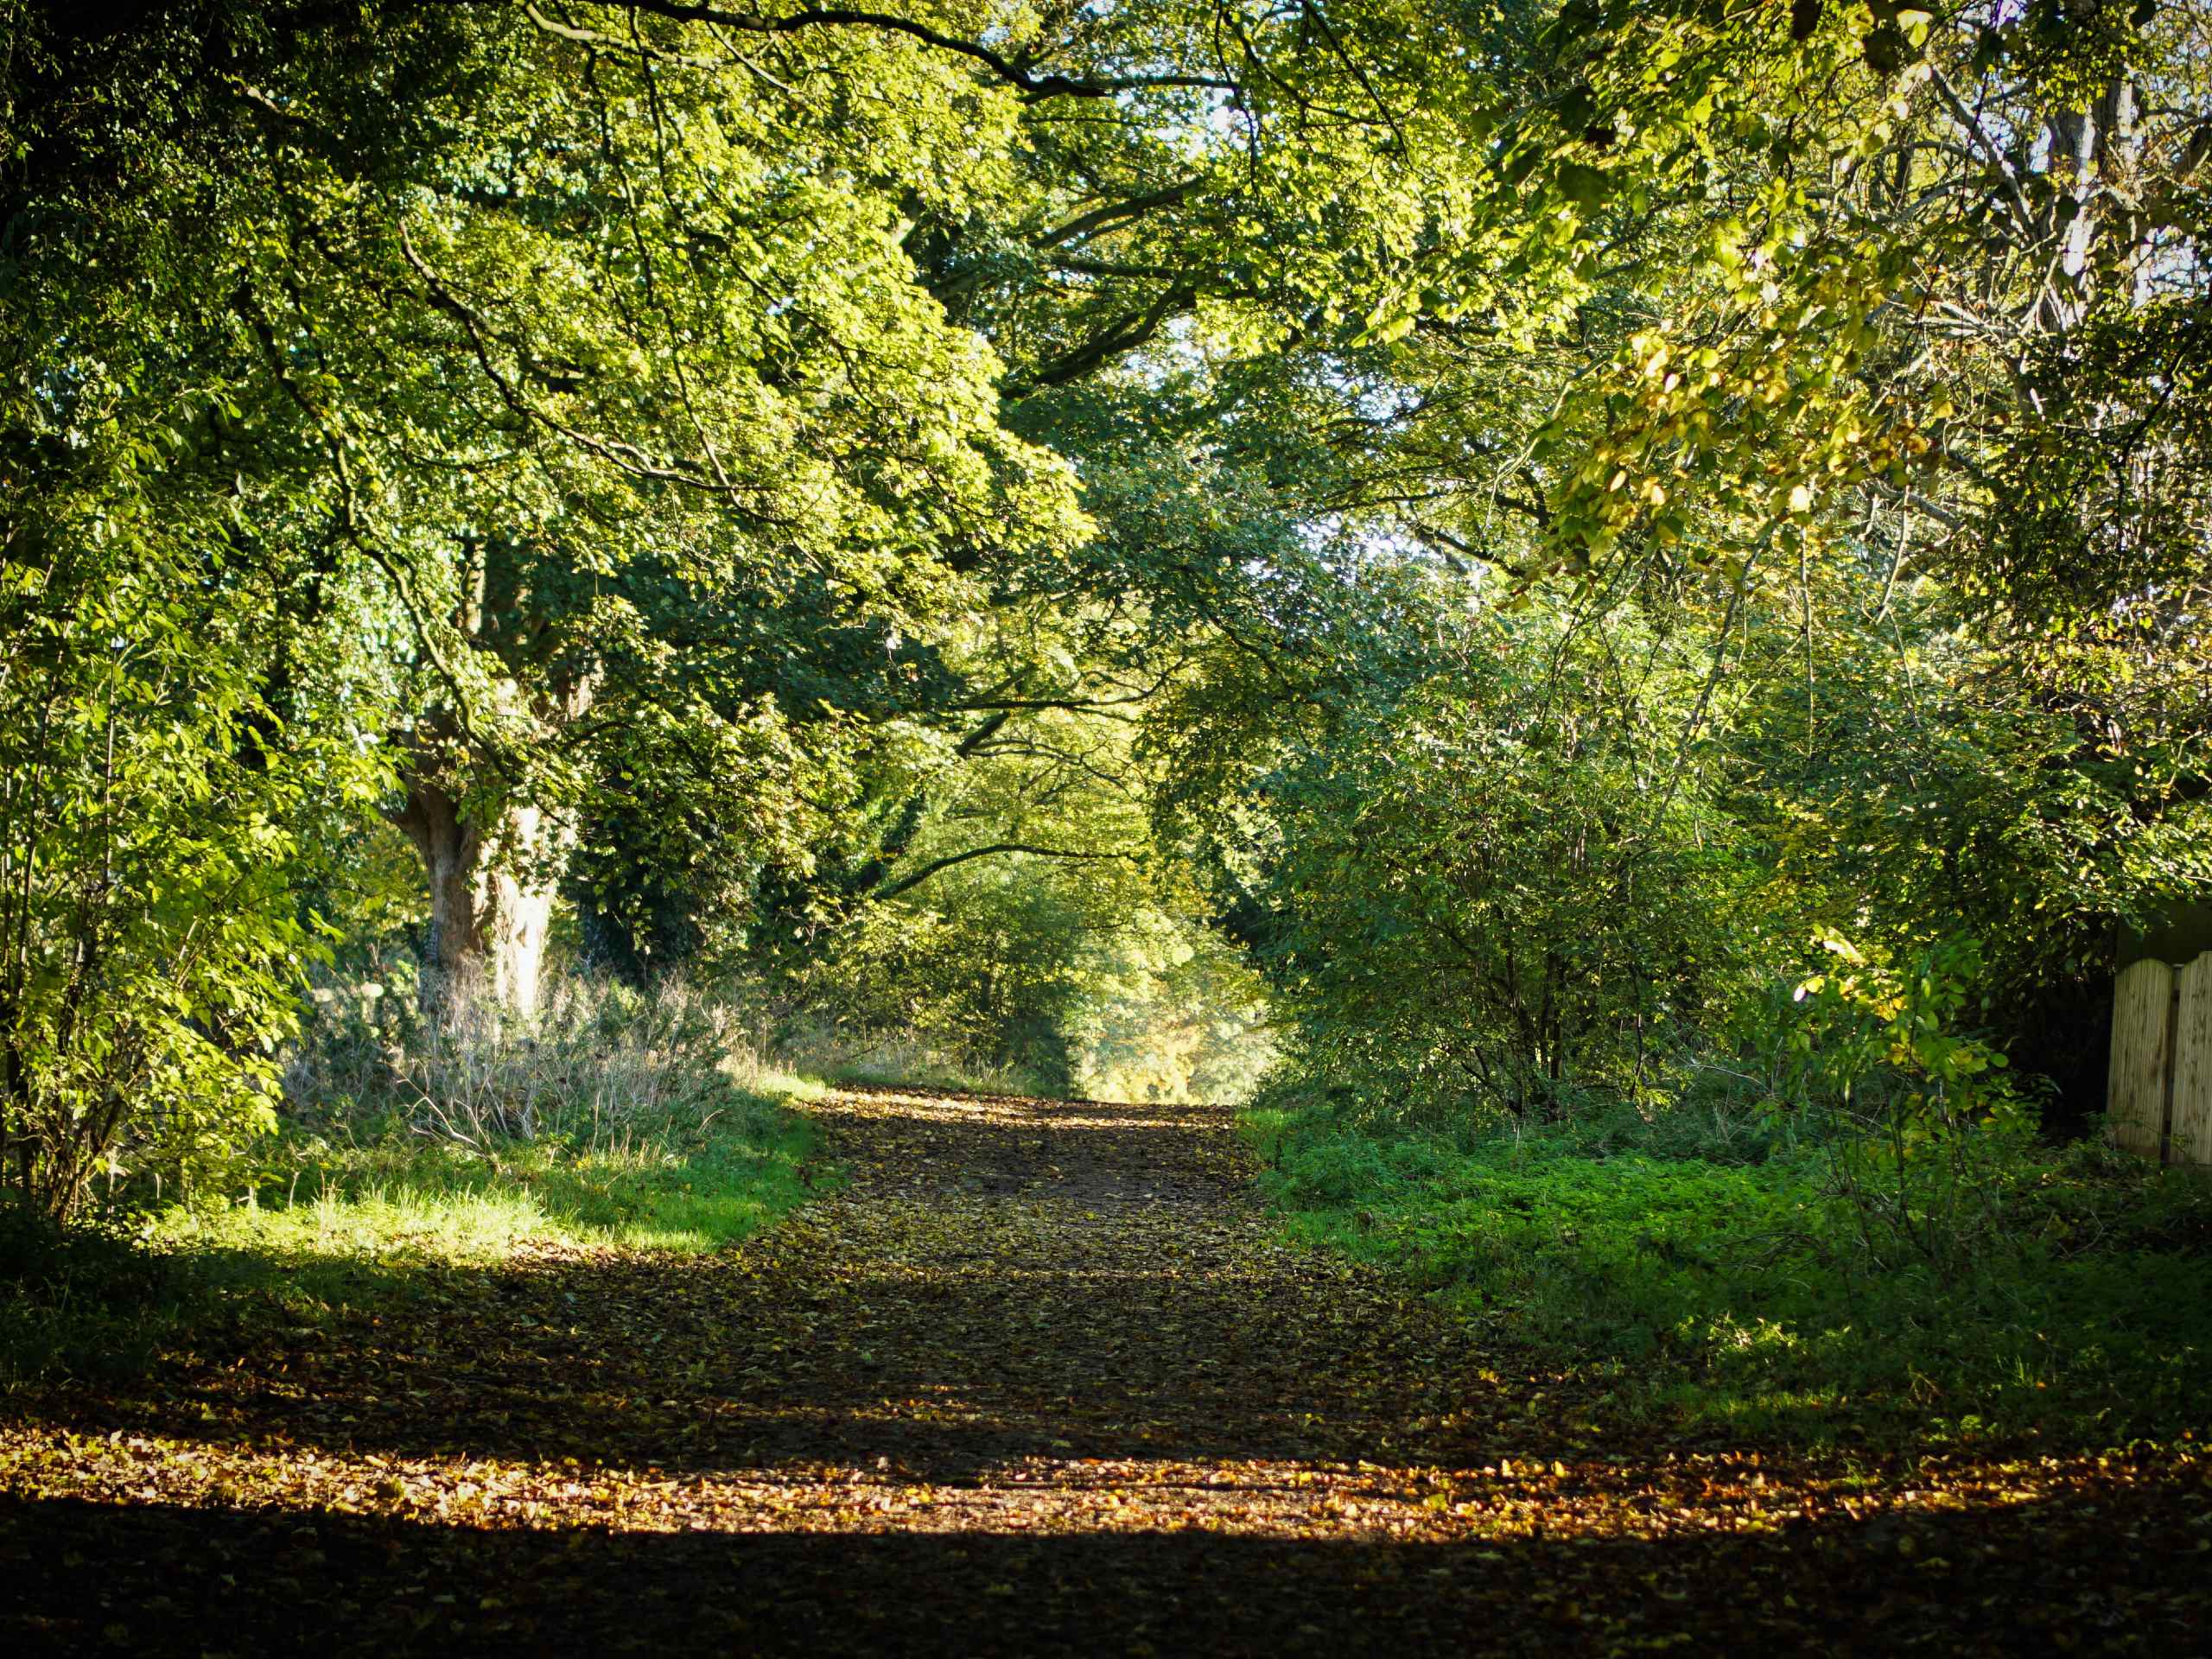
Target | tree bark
(491,898)
(493,873)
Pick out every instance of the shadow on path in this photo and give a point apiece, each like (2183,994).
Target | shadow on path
(1039,1378)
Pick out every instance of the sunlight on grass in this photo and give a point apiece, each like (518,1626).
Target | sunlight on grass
(664,1186)
(1746,1293)
(377,1221)
(679,1145)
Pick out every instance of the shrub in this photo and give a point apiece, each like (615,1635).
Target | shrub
(1499,888)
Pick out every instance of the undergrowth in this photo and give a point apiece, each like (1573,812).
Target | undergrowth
(408,1142)
(908,1059)
(1789,1278)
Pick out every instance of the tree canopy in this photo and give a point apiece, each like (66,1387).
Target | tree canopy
(1494,523)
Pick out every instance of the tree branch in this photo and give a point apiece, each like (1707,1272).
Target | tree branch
(1950,518)
(907,883)
(1113,213)
(1028,83)
(1125,333)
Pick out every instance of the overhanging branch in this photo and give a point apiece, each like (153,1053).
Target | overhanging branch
(1029,83)
(907,883)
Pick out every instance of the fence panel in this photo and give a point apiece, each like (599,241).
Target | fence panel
(2142,1053)
(2190,1136)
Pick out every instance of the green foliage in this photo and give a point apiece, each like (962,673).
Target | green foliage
(364,384)
(1867,1020)
(1168,1012)
(1719,1277)
(1909,780)
(162,776)
(1506,883)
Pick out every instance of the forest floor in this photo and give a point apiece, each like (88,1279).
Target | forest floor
(1039,1376)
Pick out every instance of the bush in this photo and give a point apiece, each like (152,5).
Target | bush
(1497,889)
(596,1056)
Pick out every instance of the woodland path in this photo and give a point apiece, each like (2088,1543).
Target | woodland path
(1039,1379)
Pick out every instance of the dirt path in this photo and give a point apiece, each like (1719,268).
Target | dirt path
(1038,1379)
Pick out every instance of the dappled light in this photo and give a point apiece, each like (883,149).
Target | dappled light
(1126,826)
(1100,1387)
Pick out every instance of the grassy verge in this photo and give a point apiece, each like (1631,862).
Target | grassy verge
(613,1121)
(679,1180)
(355,1221)
(1770,1286)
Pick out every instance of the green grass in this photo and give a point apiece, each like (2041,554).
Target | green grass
(348,1219)
(1723,1275)
(679,1181)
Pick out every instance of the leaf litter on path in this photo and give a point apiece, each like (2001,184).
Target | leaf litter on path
(1040,1376)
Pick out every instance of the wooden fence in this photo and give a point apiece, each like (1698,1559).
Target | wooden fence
(2160,1099)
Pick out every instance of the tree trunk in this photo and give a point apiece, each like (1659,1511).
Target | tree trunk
(491,898)
(492,878)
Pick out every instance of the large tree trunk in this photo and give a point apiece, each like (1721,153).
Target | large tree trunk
(491,898)
(493,874)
